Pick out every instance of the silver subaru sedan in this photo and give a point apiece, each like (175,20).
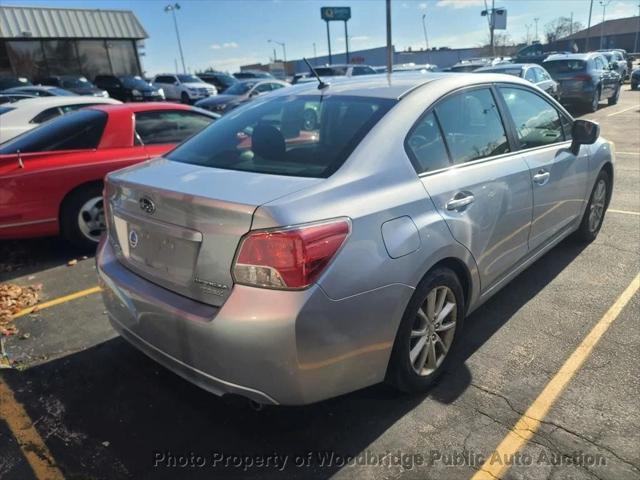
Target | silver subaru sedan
(329,237)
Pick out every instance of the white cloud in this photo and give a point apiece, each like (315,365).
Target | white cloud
(422,6)
(460,3)
(232,64)
(356,38)
(621,10)
(217,46)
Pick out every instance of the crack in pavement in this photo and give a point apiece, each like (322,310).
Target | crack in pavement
(554,424)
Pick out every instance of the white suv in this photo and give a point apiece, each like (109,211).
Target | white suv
(186,88)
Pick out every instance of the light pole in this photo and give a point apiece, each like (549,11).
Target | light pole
(528,27)
(536,20)
(604,4)
(284,49)
(172,8)
(426,39)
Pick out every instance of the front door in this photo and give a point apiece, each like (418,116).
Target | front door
(558,177)
(481,189)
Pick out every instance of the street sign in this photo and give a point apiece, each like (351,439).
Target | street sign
(330,14)
(499,19)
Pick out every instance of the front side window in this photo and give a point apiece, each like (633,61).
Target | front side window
(168,126)
(76,131)
(531,76)
(306,136)
(472,126)
(537,121)
(426,146)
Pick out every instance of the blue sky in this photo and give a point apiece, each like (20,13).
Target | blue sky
(225,34)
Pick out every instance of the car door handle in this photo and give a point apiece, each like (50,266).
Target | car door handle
(459,202)
(541,177)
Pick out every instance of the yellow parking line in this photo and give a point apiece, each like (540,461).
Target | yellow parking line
(57,301)
(498,462)
(31,444)
(625,212)
(622,111)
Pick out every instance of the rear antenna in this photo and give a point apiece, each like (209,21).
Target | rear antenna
(321,85)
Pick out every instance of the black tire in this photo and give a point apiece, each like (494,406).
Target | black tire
(616,96)
(588,230)
(595,101)
(70,211)
(401,373)
(184,97)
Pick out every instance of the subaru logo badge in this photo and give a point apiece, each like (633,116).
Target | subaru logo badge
(147,205)
(133,239)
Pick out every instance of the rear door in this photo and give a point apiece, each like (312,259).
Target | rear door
(480,187)
(559,178)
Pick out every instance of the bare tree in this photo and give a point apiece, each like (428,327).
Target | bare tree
(559,28)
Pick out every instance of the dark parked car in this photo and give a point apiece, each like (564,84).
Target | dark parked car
(129,88)
(241,92)
(585,79)
(7,81)
(13,97)
(247,74)
(76,84)
(531,72)
(635,79)
(220,80)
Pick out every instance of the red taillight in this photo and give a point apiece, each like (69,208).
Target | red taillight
(289,258)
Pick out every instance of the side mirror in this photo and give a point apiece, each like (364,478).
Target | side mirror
(255,93)
(583,132)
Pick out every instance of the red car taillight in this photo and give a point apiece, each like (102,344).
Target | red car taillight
(291,258)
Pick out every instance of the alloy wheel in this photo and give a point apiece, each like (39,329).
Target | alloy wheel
(91,219)
(433,331)
(598,201)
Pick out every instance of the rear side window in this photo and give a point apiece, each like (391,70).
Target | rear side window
(76,131)
(472,126)
(45,115)
(537,121)
(426,146)
(530,76)
(168,126)
(288,135)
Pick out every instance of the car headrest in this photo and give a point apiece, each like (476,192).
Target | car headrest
(267,142)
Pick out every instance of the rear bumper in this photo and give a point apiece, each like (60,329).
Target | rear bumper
(274,347)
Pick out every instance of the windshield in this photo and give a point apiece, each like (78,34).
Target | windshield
(239,88)
(609,55)
(516,72)
(565,66)
(80,82)
(132,81)
(189,79)
(330,71)
(306,136)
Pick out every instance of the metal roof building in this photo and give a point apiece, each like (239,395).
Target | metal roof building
(38,42)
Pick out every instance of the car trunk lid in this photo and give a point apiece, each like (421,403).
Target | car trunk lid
(178,225)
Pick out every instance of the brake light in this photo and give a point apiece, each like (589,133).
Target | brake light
(290,258)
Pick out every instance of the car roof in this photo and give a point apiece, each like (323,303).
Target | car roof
(504,66)
(141,107)
(31,87)
(573,56)
(61,101)
(393,86)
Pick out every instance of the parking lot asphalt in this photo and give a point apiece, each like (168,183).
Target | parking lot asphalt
(82,403)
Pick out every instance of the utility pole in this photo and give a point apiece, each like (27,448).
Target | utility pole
(329,42)
(604,4)
(426,39)
(528,27)
(571,25)
(172,9)
(490,18)
(586,46)
(284,49)
(315,55)
(389,46)
(346,41)
(536,20)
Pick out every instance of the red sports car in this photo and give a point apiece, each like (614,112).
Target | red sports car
(51,177)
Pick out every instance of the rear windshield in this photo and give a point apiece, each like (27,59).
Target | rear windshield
(330,71)
(307,136)
(72,131)
(565,66)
